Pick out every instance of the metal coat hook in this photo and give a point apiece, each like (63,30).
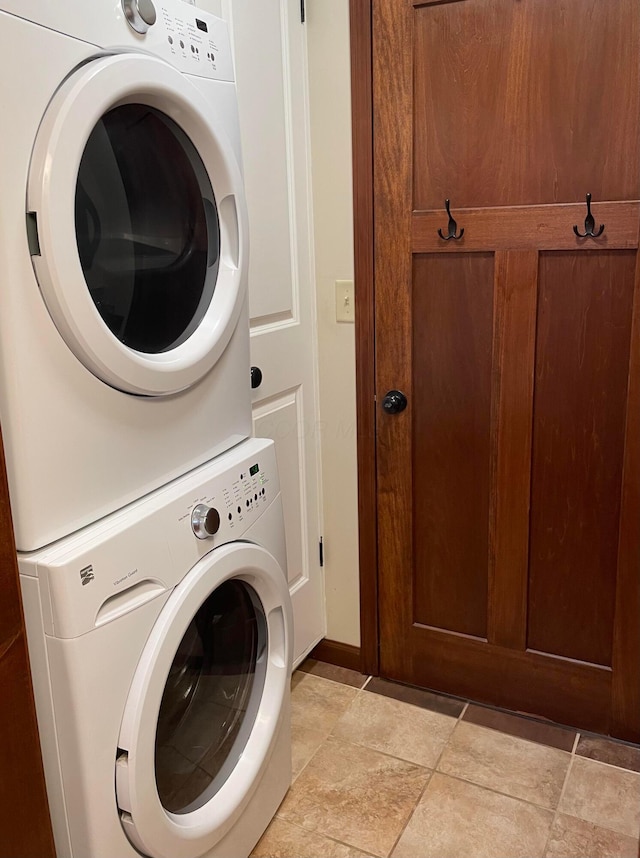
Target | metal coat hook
(451,228)
(589,224)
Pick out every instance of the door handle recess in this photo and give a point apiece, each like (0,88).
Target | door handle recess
(394,402)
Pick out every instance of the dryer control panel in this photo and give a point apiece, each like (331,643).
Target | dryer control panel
(193,41)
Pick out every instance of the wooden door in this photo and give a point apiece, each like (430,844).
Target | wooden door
(509,488)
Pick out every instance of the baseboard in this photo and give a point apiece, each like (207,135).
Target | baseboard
(340,654)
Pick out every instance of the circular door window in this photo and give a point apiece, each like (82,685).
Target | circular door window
(141,221)
(207,703)
(211,697)
(147,228)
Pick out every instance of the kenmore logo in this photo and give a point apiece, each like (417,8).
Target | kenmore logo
(86,575)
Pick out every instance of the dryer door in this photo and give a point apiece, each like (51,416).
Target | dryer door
(206,704)
(137,223)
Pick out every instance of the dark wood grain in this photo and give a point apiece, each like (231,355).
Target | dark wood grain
(516,68)
(528,228)
(584,328)
(562,690)
(393,272)
(362,143)
(516,288)
(25,827)
(626,640)
(452,342)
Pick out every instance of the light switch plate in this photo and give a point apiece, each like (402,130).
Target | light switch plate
(345,307)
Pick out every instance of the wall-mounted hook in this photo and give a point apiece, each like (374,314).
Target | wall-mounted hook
(451,228)
(589,224)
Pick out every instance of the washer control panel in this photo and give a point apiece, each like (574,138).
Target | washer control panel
(231,503)
(145,549)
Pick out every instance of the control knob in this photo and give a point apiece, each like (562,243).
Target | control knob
(140,14)
(205,521)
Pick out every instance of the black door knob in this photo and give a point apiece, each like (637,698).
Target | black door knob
(256,376)
(394,402)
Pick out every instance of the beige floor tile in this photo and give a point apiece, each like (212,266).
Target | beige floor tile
(316,706)
(505,763)
(603,794)
(576,838)
(283,840)
(355,795)
(456,819)
(395,728)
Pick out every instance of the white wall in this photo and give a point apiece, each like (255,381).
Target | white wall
(330,107)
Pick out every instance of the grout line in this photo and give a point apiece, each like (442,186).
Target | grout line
(575,744)
(326,836)
(368,680)
(497,791)
(608,765)
(562,792)
(536,742)
(413,810)
(463,710)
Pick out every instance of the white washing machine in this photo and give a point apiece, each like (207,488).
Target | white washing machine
(160,644)
(124,342)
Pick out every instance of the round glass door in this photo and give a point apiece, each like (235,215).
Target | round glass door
(147,228)
(207,704)
(136,201)
(211,697)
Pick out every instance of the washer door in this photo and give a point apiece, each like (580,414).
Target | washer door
(205,704)
(137,221)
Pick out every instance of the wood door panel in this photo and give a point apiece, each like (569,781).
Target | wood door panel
(452,340)
(529,682)
(491,80)
(509,490)
(584,325)
(625,697)
(514,334)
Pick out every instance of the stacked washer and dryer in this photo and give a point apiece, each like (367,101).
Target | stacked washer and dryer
(148,523)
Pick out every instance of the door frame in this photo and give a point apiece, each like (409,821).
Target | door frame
(361,20)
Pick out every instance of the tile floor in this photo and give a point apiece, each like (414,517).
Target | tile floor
(384,770)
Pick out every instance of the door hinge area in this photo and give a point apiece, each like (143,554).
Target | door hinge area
(321,551)
(303,15)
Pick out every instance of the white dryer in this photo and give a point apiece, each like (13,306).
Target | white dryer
(124,342)
(160,644)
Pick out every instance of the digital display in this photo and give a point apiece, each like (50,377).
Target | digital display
(253,470)
(202,25)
